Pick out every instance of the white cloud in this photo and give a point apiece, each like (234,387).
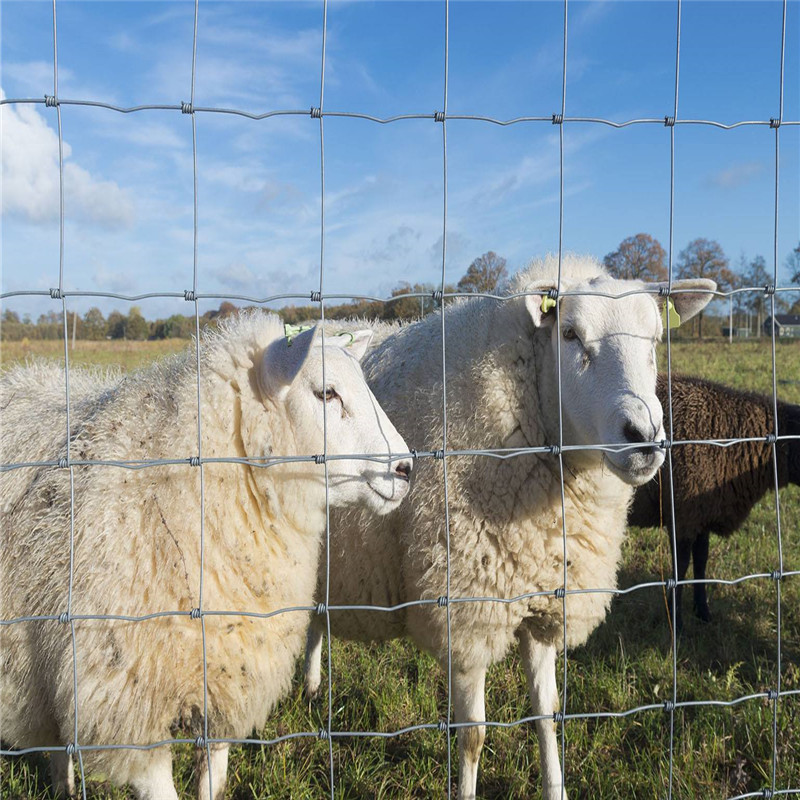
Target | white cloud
(736,176)
(31,182)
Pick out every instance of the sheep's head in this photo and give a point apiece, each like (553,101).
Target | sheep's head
(608,367)
(340,411)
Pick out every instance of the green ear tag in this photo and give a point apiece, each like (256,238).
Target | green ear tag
(290,331)
(547,304)
(672,319)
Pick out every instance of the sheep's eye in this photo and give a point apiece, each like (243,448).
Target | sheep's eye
(328,395)
(569,334)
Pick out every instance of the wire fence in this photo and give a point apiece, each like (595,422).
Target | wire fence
(557,449)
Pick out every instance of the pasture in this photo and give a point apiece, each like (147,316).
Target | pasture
(719,751)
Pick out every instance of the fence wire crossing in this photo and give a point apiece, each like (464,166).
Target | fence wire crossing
(556,449)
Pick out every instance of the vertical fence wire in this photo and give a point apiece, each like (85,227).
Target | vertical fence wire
(670,707)
(448,717)
(194,296)
(327,732)
(560,121)
(74,746)
(776,430)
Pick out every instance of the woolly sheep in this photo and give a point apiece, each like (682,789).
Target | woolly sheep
(137,541)
(505,514)
(715,487)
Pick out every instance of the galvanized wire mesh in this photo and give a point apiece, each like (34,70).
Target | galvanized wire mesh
(555,450)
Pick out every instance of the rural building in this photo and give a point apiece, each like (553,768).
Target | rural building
(785,325)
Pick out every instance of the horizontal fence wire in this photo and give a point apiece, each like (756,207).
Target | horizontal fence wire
(447,726)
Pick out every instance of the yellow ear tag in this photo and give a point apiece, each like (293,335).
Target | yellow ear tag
(672,319)
(547,304)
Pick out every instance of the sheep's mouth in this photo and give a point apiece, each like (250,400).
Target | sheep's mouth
(637,468)
(397,490)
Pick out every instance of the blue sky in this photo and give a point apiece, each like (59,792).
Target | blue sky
(128,177)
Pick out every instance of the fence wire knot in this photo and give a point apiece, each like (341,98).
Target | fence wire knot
(70,749)
(560,593)
(194,461)
(772,694)
(557,119)
(774,122)
(671,584)
(776,575)
(194,613)
(555,450)
(669,122)
(438,454)
(316,297)
(316,113)
(552,293)
(438,116)
(63,463)
(320,609)
(558,717)
(323,735)
(669,706)
(767,793)
(320,459)
(199,742)
(186,108)
(663,291)
(665,444)
(64,617)
(189,296)
(50,101)
(437,295)
(443,726)
(413,453)
(770,438)
(442,601)
(55,294)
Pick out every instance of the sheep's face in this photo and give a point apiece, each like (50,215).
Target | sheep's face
(608,370)
(340,411)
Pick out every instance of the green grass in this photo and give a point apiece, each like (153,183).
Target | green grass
(628,662)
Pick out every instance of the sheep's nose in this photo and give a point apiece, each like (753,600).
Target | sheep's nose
(634,434)
(403,470)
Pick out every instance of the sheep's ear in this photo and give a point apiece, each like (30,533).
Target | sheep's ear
(356,342)
(541,307)
(688,303)
(283,360)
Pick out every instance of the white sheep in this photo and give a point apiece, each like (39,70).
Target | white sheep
(505,514)
(137,542)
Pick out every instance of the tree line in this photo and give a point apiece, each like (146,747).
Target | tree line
(638,257)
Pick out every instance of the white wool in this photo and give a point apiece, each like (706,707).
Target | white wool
(137,541)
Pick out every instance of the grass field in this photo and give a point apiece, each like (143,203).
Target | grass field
(719,752)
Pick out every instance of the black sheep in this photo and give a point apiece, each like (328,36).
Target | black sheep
(715,487)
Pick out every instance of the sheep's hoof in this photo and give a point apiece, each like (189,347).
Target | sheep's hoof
(311,695)
(703,613)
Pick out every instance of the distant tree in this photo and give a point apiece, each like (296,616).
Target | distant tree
(485,274)
(115,325)
(94,324)
(705,258)
(10,316)
(175,327)
(638,257)
(136,326)
(793,264)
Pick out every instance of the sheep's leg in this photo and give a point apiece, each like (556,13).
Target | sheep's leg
(154,781)
(469,706)
(540,666)
(699,560)
(684,556)
(62,774)
(312,668)
(218,765)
